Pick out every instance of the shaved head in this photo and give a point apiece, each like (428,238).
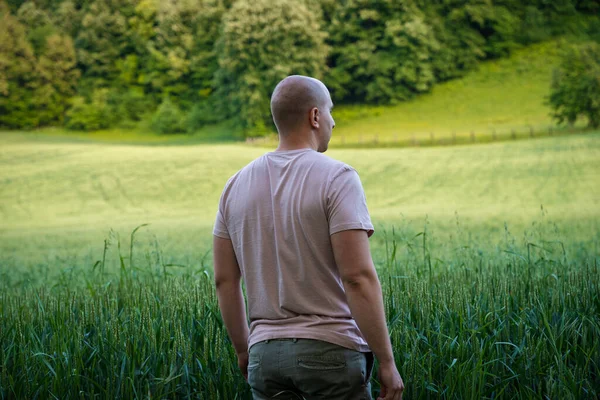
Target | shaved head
(294,98)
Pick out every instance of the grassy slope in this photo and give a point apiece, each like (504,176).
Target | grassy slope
(507,93)
(500,95)
(57,198)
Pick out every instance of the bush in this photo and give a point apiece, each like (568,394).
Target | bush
(201,114)
(168,118)
(575,90)
(130,104)
(89,116)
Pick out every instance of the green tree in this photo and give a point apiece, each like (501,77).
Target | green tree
(57,74)
(468,31)
(173,49)
(68,17)
(575,90)
(382,51)
(203,58)
(35,90)
(18,74)
(261,43)
(102,40)
(38,25)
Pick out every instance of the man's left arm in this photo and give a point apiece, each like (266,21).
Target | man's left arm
(231,298)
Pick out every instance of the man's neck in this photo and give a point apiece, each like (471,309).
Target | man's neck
(295,142)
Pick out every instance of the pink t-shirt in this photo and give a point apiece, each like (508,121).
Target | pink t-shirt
(279,212)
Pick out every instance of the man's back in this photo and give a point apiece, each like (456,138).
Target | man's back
(279,212)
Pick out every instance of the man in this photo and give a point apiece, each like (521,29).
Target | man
(294,223)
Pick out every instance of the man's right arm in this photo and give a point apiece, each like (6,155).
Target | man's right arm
(363,291)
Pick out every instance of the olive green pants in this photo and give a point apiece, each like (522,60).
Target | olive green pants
(295,369)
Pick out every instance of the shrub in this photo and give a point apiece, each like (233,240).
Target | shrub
(131,103)
(575,90)
(89,116)
(201,114)
(168,118)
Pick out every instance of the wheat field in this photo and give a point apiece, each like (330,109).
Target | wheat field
(488,257)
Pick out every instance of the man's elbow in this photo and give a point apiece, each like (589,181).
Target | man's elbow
(224,283)
(360,280)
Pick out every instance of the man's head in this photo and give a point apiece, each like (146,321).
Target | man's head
(301,108)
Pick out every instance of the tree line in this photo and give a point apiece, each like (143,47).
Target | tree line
(182,64)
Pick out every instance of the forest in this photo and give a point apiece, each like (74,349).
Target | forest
(178,66)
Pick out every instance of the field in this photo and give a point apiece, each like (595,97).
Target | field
(488,256)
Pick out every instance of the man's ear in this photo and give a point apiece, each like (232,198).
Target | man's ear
(314,117)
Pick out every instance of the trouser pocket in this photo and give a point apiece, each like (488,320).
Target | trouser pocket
(370,363)
(328,371)
(322,363)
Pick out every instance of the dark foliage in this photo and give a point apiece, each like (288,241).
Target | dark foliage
(576,85)
(219,59)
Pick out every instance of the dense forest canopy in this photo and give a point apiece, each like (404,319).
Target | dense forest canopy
(183,64)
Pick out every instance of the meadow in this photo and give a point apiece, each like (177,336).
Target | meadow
(500,100)
(488,256)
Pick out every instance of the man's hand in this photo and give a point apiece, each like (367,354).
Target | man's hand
(243,363)
(391,382)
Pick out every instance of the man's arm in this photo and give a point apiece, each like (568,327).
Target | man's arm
(231,298)
(363,291)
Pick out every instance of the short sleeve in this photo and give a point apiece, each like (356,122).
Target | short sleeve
(347,204)
(220,228)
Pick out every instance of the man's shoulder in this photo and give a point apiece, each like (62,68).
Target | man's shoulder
(252,164)
(330,167)
(333,165)
(244,170)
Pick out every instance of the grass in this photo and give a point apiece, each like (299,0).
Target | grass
(488,257)
(503,94)
(58,201)
(514,325)
(219,133)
